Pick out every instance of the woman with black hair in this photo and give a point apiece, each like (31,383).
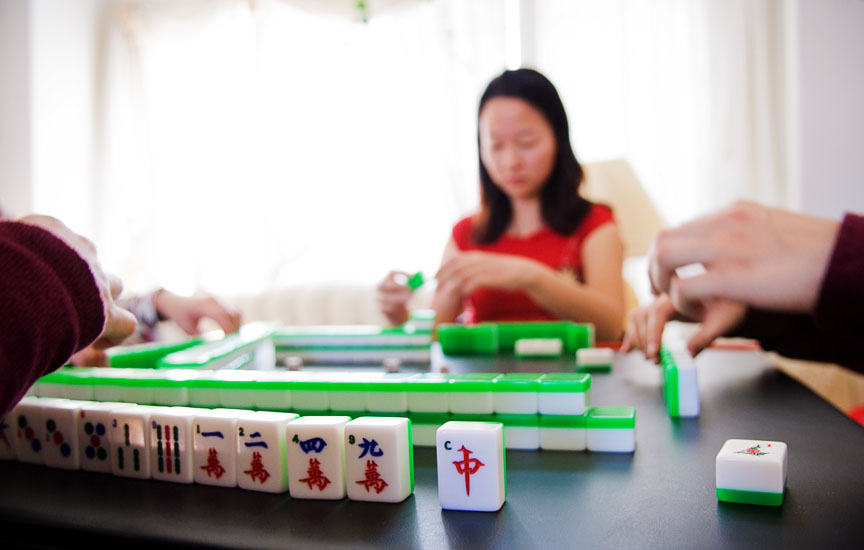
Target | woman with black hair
(536,250)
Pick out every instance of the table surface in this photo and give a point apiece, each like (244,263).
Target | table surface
(663,495)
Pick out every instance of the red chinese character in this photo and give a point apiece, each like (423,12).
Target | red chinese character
(467,466)
(373,478)
(257,472)
(315,477)
(213,468)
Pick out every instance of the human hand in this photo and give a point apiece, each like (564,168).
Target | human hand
(187,311)
(645,324)
(89,357)
(393,295)
(754,255)
(467,271)
(119,323)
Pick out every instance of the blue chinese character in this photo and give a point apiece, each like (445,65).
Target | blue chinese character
(257,443)
(369,447)
(213,434)
(315,444)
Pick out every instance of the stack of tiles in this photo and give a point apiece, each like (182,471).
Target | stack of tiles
(611,429)
(751,472)
(364,344)
(494,338)
(594,359)
(547,411)
(471,468)
(538,348)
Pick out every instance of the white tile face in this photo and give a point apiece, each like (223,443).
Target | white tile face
(27,421)
(386,401)
(61,434)
(611,440)
(94,440)
(521,437)
(316,457)
(471,472)
(261,451)
(752,465)
(470,402)
(83,392)
(7,438)
(688,391)
(566,403)
(171,445)
(428,401)
(214,448)
(590,357)
(513,402)
(563,439)
(378,459)
(538,347)
(130,440)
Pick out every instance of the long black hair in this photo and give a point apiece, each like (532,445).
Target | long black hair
(562,208)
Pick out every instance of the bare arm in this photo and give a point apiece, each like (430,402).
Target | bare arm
(600,299)
(447,301)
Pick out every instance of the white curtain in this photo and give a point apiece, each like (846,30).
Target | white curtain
(685,90)
(249,145)
(245,145)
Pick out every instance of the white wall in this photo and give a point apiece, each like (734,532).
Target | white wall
(15,153)
(830,105)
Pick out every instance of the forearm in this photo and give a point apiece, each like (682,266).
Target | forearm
(569,299)
(447,306)
(52,307)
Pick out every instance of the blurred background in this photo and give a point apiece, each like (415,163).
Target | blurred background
(243,147)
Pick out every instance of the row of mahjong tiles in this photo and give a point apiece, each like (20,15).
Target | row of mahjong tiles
(475,393)
(311,456)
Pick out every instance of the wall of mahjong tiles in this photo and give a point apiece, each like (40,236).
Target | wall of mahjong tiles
(661,495)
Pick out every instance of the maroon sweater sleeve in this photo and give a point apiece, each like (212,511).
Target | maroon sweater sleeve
(50,306)
(832,333)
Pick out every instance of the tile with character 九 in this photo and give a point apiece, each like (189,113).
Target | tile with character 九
(261,448)
(130,440)
(61,434)
(171,444)
(316,457)
(379,459)
(94,441)
(27,419)
(214,444)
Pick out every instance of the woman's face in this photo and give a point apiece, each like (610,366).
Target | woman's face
(517,146)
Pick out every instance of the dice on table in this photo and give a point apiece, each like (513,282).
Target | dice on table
(471,467)
(751,471)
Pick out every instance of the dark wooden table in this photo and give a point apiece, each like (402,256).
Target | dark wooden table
(662,496)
